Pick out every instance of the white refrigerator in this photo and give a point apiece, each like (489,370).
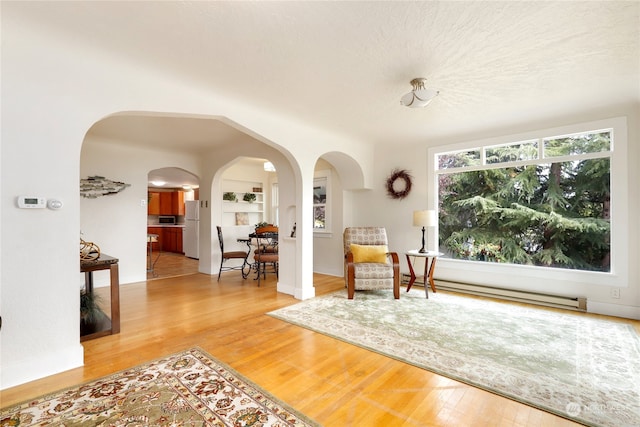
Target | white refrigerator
(191,231)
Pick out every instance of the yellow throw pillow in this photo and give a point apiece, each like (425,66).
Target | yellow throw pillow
(370,253)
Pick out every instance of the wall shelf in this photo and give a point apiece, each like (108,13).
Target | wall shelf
(241,212)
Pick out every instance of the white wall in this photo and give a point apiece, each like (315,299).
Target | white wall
(53,90)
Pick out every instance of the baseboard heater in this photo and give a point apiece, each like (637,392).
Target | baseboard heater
(559,301)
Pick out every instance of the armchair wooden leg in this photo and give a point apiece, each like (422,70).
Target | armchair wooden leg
(351,278)
(396,275)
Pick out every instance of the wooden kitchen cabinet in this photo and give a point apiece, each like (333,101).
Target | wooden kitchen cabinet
(178,202)
(169,239)
(156,246)
(153,203)
(173,239)
(169,242)
(169,203)
(179,247)
(166,203)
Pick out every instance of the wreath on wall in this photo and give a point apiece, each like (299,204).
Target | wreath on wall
(399,184)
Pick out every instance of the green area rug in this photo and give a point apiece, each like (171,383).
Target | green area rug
(581,368)
(185,389)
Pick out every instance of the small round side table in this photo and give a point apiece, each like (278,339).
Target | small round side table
(429,268)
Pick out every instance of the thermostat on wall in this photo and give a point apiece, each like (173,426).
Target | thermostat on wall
(28,202)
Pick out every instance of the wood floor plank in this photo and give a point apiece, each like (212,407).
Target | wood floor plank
(335,383)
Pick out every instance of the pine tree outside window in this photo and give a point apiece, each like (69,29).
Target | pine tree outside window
(539,202)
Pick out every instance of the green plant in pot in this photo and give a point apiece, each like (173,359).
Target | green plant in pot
(229,197)
(249,197)
(90,312)
(261,224)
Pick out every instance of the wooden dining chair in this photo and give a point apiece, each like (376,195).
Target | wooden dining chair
(225,256)
(266,252)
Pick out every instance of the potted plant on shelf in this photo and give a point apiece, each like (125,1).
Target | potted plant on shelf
(249,197)
(229,197)
(90,312)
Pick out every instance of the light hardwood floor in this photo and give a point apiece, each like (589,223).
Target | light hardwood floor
(169,264)
(335,383)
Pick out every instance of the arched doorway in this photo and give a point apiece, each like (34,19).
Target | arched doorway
(126,147)
(334,174)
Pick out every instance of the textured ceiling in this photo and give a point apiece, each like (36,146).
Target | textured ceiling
(343,66)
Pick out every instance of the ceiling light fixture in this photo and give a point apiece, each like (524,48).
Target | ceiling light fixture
(419,97)
(158,183)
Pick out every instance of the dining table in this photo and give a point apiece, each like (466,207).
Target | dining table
(271,239)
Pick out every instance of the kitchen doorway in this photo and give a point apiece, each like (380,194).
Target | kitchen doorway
(172,223)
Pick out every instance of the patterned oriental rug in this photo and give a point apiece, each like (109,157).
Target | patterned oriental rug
(578,367)
(185,389)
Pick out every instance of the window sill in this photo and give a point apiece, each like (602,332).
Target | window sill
(322,234)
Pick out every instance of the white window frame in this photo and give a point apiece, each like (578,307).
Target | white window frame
(619,272)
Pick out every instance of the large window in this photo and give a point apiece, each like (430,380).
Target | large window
(542,201)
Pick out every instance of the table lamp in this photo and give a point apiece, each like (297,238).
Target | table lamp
(425,218)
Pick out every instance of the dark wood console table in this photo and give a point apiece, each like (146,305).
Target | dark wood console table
(103,262)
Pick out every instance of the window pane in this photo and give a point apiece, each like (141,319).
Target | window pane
(319,191)
(320,203)
(577,144)
(517,151)
(552,215)
(319,217)
(459,159)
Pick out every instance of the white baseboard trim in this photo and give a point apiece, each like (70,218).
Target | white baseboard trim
(298,293)
(617,310)
(27,370)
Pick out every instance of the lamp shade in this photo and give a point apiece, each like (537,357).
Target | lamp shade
(425,218)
